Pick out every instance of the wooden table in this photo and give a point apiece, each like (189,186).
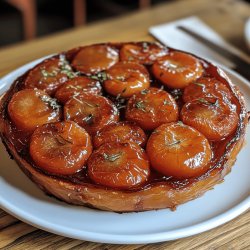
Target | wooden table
(226,17)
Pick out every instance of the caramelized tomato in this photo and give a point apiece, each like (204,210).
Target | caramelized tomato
(126,79)
(151,108)
(211,116)
(48,75)
(144,53)
(119,165)
(91,112)
(179,151)
(76,86)
(31,108)
(206,87)
(120,132)
(60,148)
(177,70)
(95,58)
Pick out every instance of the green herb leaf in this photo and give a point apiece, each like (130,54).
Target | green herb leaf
(180,123)
(202,100)
(65,68)
(140,105)
(173,143)
(145,47)
(51,101)
(46,73)
(112,157)
(165,102)
(119,95)
(102,76)
(145,91)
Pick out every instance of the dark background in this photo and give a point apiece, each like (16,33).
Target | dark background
(57,15)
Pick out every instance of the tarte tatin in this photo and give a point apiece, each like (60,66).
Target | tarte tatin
(124,126)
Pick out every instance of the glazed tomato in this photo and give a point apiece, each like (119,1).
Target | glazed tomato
(177,70)
(206,87)
(30,108)
(60,148)
(77,85)
(211,116)
(95,58)
(48,75)
(91,112)
(126,79)
(120,132)
(151,108)
(180,151)
(144,53)
(119,165)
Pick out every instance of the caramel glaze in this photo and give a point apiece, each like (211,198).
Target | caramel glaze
(220,149)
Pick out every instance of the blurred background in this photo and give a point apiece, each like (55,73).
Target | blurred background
(22,20)
(25,19)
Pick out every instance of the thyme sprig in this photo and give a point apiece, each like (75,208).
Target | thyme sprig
(173,143)
(119,95)
(141,105)
(145,47)
(145,91)
(51,101)
(112,157)
(166,102)
(210,103)
(65,68)
(77,87)
(176,93)
(46,73)
(101,76)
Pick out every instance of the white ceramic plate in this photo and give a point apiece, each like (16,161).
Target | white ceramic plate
(247,32)
(21,198)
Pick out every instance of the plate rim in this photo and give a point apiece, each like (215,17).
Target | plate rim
(247,32)
(175,234)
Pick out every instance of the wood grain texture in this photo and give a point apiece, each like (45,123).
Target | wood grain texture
(226,17)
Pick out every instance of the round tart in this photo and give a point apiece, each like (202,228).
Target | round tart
(124,126)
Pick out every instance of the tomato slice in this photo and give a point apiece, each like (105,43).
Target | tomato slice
(177,70)
(119,165)
(151,108)
(60,148)
(206,87)
(49,75)
(120,132)
(178,150)
(30,108)
(95,58)
(126,79)
(211,116)
(91,112)
(76,86)
(143,53)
